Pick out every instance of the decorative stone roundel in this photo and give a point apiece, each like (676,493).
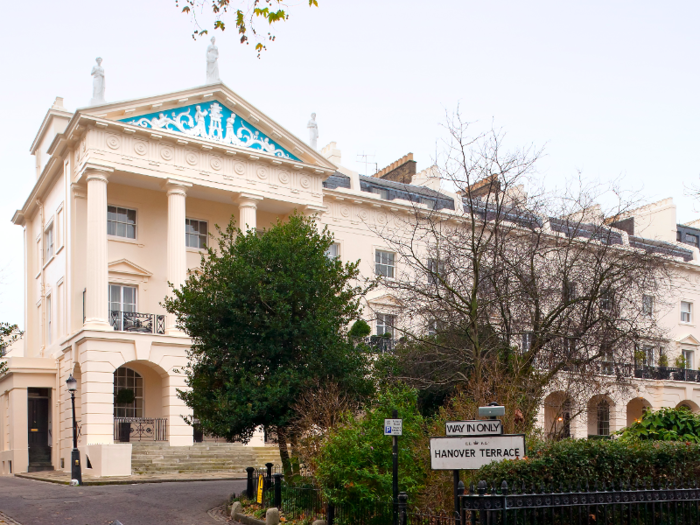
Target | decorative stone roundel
(345,211)
(167,153)
(305,182)
(140,148)
(239,168)
(362,214)
(262,173)
(113,142)
(283,176)
(216,163)
(191,158)
(381,218)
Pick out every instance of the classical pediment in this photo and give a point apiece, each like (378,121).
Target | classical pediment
(385,300)
(211,121)
(126,269)
(224,119)
(689,340)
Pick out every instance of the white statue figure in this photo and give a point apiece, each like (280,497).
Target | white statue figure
(313,131)
(200,127)
(230,134)
(98,83)
(213,63)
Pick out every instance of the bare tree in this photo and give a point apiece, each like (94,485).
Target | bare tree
(515,294)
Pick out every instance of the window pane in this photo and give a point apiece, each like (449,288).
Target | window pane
(111,213)
(203,227)
(121,229)
(131,216)
(111,228)
(131,231)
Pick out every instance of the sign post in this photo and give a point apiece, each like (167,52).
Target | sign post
(394,428)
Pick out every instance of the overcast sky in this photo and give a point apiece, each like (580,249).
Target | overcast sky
(609,88)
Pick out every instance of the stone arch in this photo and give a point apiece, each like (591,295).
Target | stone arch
(636,408)
(557,415)
(601,415)
(153,381)
(689,404)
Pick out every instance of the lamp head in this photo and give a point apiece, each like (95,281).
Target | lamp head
(72,384)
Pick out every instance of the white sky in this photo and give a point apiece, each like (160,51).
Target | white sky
(608,87)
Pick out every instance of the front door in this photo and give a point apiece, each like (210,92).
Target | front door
(38,431)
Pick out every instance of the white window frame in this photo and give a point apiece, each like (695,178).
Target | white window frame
(648,305)
(689,356)
(333,247)
(135,304)
(386,323)
(49,242)
(526,342)
(198,235)
(384,268)
(686,314)
(603,425)
(60,226)
(116,222)
(138,407)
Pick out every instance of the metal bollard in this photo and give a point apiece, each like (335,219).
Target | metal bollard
(250,489)
(403,508)
(278,490)
(268,479)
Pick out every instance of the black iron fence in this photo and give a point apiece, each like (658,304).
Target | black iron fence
(614,504)
(137,322)
(128,429)
(666,373)
(492,504)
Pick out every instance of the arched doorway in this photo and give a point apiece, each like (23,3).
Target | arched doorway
(601,411)
(690,405)
(635,409)
(138,403)
(557,415)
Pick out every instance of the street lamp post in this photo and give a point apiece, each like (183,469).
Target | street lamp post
(75,473)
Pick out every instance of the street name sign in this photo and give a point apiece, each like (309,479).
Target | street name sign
(483,427)
(472,453)
(393,427)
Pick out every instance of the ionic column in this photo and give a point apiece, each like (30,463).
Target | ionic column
(176,250)
(96,298)
(248,211)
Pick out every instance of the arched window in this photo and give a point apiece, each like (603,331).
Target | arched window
(127,379)
(603,418)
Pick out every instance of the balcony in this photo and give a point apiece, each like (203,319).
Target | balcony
(137,322)
(667,374)
(379,344)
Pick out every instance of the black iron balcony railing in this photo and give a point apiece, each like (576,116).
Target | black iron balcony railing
(140,429)
(137,322)
(380,344)
(666,373)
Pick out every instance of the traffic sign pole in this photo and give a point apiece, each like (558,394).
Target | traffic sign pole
(395,474)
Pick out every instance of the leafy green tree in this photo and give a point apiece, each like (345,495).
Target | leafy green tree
(9,333)
(354,467)
(667,424)
(268,316)
(245,13)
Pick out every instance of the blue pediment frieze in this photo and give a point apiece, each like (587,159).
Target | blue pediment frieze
(211,121)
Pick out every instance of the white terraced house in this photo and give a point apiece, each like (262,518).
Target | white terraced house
(125,196)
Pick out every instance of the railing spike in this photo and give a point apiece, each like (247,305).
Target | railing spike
(504,488)
(471,488)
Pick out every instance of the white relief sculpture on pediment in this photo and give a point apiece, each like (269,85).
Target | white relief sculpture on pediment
(206,123)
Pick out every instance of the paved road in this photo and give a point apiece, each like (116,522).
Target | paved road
(185,503)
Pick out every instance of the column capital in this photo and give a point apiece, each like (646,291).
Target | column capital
(248,200)
(176,187)
(93,171)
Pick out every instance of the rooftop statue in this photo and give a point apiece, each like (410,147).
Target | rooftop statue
(213,62)
(313,131)
(98,83)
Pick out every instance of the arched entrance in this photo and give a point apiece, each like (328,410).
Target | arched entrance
(557,415)
(635,409)
(138,403)
(601,411)
(690,405)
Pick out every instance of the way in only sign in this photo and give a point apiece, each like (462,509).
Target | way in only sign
(393,427)
(471,453)
(474,428)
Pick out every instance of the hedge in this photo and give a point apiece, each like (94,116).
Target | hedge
(574,461)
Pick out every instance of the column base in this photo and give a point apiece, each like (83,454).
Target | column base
(99,325)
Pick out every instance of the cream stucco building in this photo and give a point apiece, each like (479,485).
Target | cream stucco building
(124,198)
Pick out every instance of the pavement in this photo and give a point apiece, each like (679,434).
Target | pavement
(58,476)
(32,502)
